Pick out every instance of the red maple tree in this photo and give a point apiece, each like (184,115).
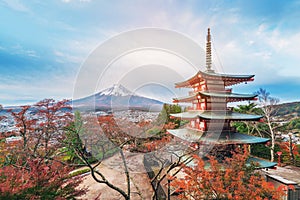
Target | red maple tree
(232,179)
(31,167)
(38,178)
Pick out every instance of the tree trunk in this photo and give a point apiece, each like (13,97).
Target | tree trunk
(272,139)
(291,150)
(272,148)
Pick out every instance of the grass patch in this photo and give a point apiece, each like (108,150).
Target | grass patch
(79,172)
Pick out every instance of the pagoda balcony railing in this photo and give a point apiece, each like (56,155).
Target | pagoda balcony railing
(190,108)
(227,90)
(194,129)
(191,93)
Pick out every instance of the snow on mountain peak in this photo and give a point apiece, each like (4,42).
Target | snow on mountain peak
(116,90)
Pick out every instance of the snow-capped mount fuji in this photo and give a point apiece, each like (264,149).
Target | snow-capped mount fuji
(116,90)
(117,97)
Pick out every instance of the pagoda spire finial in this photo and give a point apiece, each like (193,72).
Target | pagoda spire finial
(208,52)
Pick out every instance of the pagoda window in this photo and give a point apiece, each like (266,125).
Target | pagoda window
(203,106)
(197,123)
(194,106)
(193,124)
(202,125)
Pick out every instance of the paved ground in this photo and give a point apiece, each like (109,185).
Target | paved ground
(290,173)
(113,170)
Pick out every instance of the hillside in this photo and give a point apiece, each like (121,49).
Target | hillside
(288,109)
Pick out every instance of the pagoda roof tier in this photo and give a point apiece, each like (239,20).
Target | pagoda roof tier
(193,114)
(217,115)
(230,97)
(186,134)
(261,162)
(229,79)
(226,137)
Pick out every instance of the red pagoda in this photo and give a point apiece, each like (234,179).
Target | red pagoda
(209,116)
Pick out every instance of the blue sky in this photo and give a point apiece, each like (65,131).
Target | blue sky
(44,43)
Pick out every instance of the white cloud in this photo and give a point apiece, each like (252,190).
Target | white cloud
(242,45)
(66,57)
(16,5)
(20,50)
(2,48)
(68,1)
(238,47)
(32,89)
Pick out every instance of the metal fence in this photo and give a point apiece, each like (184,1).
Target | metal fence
(294,194)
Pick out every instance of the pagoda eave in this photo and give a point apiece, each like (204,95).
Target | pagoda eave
(188,135)
(229,118)
(188,83)
(229,137)
(230,100)
(228,79)
(224,137)
(228,115)
(235,82)
(261,163)
(217,115)
(187,115)
(216,97)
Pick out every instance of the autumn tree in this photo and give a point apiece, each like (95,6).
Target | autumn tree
(268,106)
(23,123)
(32,168)
(75,132)
(53,116)
(289,152)
(41,125)
(167,162)
(38,178)
(231,179)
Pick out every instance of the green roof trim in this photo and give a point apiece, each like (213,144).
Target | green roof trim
(261,162)
(189,135)
(237,76)
(227,137)
(228,115)
(227,95)
(217,115)
(188,115)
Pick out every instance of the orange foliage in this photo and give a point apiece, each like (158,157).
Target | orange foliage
(229,180)
(44,176)
(157,144)
(28,169)
(285,148)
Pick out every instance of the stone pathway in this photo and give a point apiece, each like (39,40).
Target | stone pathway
(113,170)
